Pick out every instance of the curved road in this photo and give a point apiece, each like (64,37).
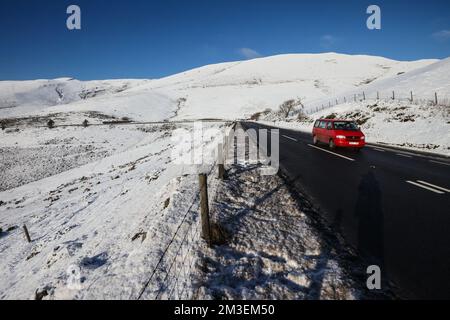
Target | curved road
(393,206)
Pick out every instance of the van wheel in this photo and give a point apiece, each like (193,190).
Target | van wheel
(332,145)
(315,141)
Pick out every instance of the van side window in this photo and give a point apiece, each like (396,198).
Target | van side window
(322,124)
(329,126)
(316,124)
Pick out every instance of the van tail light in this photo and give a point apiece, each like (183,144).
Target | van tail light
(363,138)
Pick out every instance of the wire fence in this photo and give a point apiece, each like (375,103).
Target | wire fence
(171,278)
(171,275)
(433,99)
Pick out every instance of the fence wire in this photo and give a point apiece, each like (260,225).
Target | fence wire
(171,278)
(433,99)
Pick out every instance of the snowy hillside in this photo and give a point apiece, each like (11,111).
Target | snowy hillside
(239,89)
(227,90)
(21,97)
(422,82)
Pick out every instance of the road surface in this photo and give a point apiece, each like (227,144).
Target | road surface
(392,206)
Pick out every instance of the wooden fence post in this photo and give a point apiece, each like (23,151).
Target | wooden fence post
(393,95)
(378,95)
(220,161)
(27,235)
(435,98)
(412,99)
(364,95)
(225,149)
(204,208)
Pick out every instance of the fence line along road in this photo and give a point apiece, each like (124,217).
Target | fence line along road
(433,99)
(119,123)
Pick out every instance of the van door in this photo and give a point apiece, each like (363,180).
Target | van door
(322,128)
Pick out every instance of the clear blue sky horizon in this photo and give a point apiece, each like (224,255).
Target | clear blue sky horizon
(157,38)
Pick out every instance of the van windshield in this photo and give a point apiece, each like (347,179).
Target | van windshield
(345,125)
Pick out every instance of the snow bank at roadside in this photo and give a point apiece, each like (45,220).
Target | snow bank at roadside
(424,127)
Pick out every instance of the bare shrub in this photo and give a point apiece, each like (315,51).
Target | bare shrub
(256,116)
(289,107)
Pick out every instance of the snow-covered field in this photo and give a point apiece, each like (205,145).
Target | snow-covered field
(98,218)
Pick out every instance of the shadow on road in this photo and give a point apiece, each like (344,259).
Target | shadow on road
(370,236)
(370,217)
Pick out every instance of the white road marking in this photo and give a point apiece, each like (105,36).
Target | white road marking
(409,153)
(424,187)
(393,150)
(445,164)
(379,150)
(403,155)
(378,147)
(290,138)
(434,186)
(336,154)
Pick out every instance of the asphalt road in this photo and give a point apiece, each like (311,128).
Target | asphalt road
(392,206)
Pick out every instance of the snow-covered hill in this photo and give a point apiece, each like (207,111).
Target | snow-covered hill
(239,89)
(22,97)
(422,82)
(227,90)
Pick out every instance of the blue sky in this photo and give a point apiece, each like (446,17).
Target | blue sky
(155,38)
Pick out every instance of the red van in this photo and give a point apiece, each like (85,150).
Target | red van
(338,133)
